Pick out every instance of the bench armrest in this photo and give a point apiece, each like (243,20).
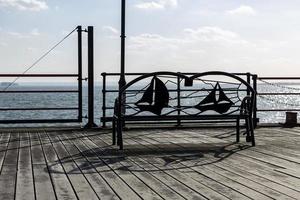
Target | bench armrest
(116,107)
(246,106)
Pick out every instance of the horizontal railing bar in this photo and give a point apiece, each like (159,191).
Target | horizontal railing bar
(279,78)
(38,75)
(278,93)
(40,91)
(276,110)
(18,109)
(138,74)
(26,121)
(181,90)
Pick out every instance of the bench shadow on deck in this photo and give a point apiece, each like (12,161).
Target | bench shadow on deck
(155,164)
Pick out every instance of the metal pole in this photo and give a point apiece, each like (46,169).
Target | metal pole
(122,80)
(104,100)
(256,120)
(79,32)
(249,82)
(90,123)
(178,100)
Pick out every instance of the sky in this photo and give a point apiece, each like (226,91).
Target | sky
(257,36)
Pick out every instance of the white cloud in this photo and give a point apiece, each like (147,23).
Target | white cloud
(157,4)
(209,47)
(31,5)
(3,44)
(242,10)
(17,35)
(35,32)
(152,42)
(213,34)
(192,38)
(110,29)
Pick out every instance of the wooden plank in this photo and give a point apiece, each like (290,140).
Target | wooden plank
(36,149)
(44,188)
(113,179)
(3,148)
(198,179)
(11,157)
(256,186)
(9,168)
(279,190)
(138,186)
(80,184)
(62,186)
(247,182)
(25,184)
(177,185)
(162,189)
(220,188)
(87,166)
(7,182)
(43,185)
(264,171)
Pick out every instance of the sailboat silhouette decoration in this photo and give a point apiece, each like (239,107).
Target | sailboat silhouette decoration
(155,98)
(210,102)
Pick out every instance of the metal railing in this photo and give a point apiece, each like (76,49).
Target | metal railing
(111,93)
(276,82)
(77,91)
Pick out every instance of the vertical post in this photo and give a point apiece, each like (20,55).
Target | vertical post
(248,81)
(122,80)
(79,34)
(178,100)
(254,78)
(90,123)
(103,99)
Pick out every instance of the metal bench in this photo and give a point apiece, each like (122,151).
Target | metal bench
(158,97)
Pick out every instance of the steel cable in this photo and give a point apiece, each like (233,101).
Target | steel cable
(40,58)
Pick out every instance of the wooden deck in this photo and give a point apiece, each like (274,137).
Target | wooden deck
(156,164)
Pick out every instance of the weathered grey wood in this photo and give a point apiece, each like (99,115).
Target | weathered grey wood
(8,177)
(83,164)
(194,177)
(3,148)
(166,178)
(220,188)
(80,184)
(163,189)
(44,188)
(112,178)
(133,182)
(43,185)
(265,171)
(87,166)
(25,183)
(62,186)
(279,190)
(11,157)
(7,182)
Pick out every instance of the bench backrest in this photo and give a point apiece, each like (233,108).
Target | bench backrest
(169,93)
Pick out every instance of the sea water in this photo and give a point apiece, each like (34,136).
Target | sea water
(67,100)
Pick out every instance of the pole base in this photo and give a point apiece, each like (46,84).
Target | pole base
(90,125)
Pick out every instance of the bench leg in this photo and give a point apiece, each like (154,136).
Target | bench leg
(252,131)
(114,131)
(248,128)
(238,130)
(119,134)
